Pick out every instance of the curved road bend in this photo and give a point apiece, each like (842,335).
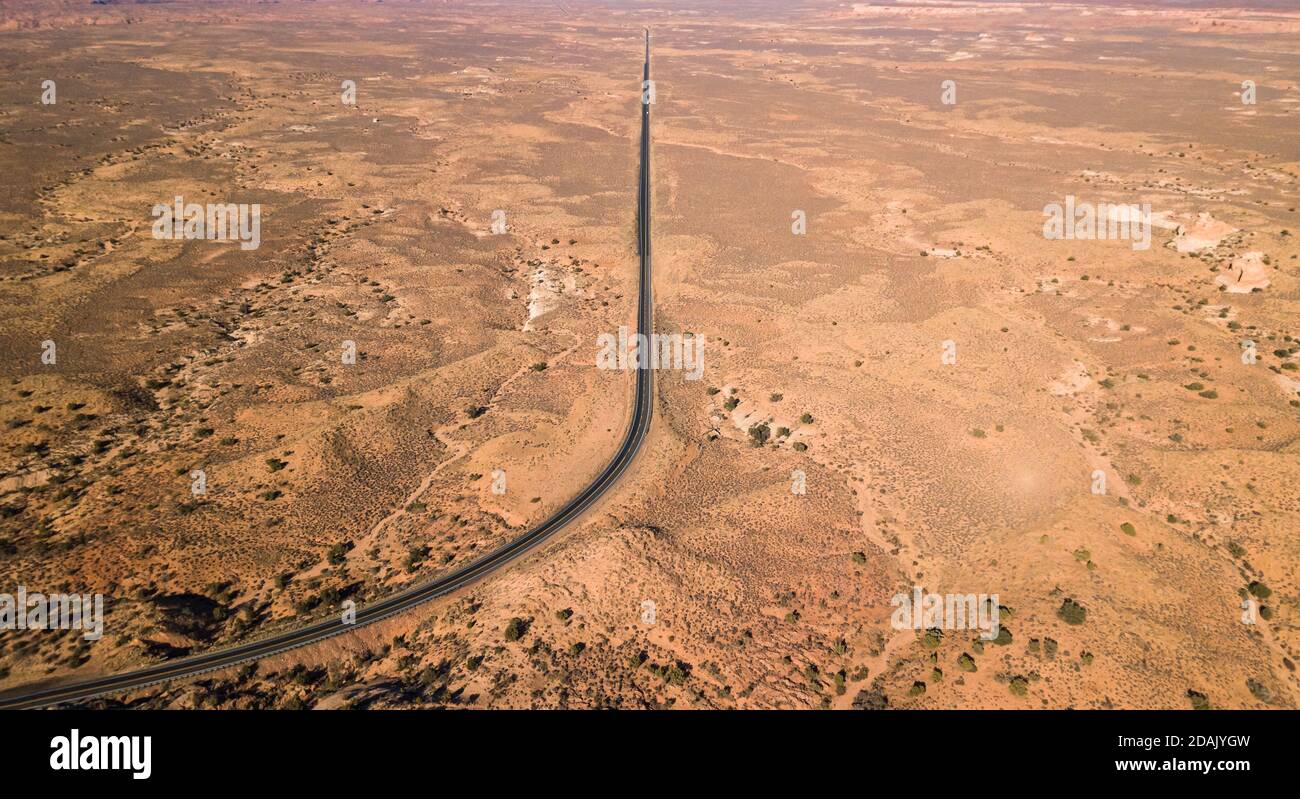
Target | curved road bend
(409,598)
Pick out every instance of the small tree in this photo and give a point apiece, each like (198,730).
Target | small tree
(1072,612)
(515,629)
(339,553)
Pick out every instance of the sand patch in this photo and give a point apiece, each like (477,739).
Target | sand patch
(1247,273)
(543,295)
(1289,384)
(1203,233)
(1074,379)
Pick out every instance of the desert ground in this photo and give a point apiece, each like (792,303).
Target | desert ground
(848,206)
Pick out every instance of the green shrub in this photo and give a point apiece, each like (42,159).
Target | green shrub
(1199,700)
(1072,612)
(515,629)
(339,553)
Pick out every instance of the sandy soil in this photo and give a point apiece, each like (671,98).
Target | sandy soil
(704,581)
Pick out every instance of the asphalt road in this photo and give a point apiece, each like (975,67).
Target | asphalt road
(31,697)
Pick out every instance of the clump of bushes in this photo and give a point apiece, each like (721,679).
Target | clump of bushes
(339,553)
(1072,612)
(515,629)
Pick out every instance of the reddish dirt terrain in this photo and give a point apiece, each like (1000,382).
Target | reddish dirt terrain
(905,383)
